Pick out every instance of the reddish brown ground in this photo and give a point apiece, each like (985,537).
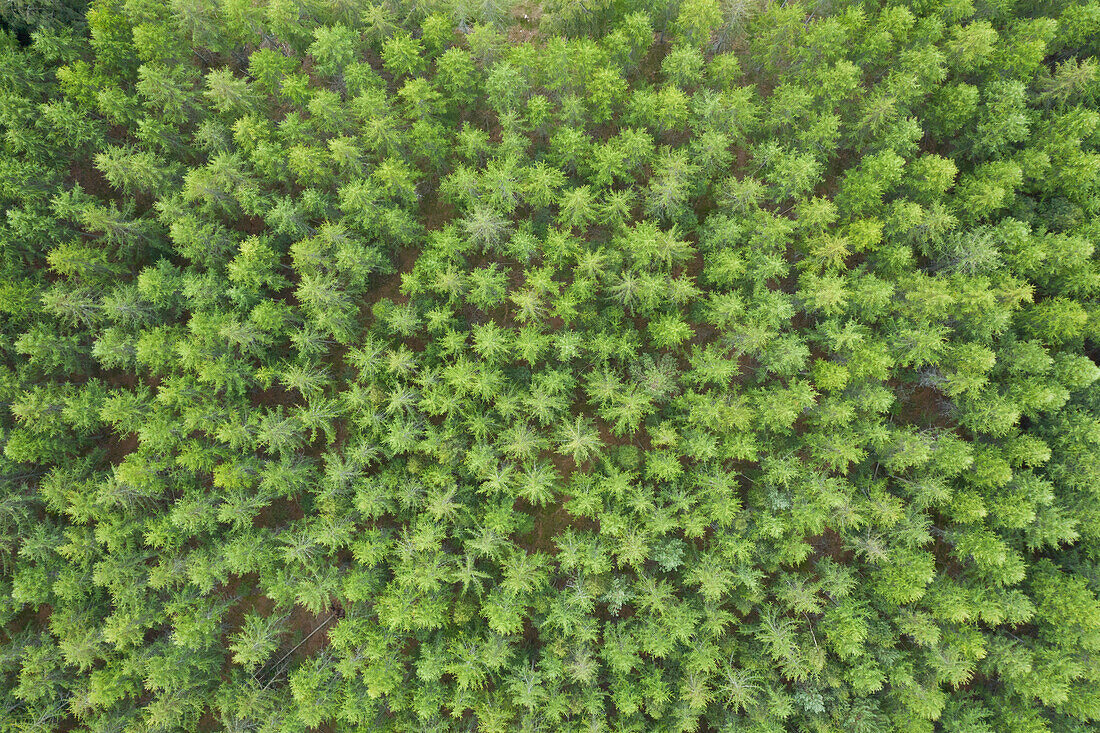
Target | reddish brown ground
(116,448)
(526,17)
(551,521)
(91,180)
(922,406)
(829,544)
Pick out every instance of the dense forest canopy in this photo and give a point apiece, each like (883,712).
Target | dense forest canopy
(618,365)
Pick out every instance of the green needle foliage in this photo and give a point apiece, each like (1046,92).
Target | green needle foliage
(612,366)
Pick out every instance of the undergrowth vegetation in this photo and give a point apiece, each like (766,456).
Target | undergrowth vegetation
(713,365)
